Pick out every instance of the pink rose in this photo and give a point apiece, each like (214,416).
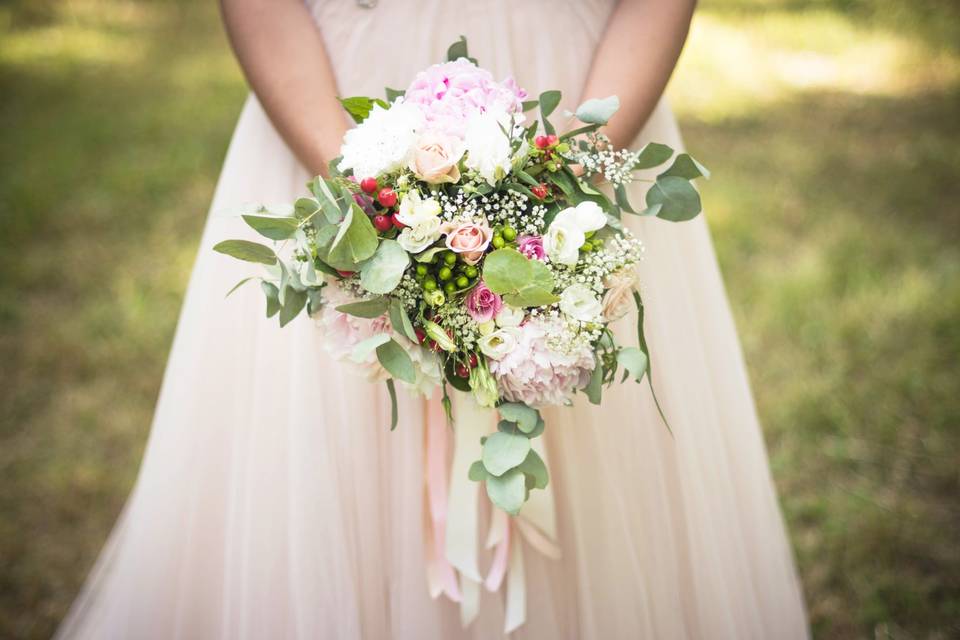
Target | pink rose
(435,158)
(531,246)
(470,239)
(482,304)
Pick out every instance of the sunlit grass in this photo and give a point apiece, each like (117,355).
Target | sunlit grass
(833,134)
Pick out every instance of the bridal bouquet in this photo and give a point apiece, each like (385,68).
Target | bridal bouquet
(461,242)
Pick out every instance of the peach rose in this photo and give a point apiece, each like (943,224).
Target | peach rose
(469,239)
(618,299)
(435,158)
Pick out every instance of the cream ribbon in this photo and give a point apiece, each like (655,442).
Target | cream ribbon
(453,521)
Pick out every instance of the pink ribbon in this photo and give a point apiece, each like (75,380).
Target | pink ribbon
(440,573)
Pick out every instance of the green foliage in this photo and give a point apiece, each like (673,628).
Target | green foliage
(246,250)
(459,50)
(370,308)
(274,228)
(359,107)
(396,361)
(522,282)
(384,270)
(678,199)
(598,110)
(503,451)
(356,240)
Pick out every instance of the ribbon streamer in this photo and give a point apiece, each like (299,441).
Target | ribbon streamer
(453,519)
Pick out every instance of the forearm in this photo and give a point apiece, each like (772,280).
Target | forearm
(283,57)
(636,56)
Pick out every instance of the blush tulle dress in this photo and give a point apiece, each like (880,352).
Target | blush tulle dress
(273,502)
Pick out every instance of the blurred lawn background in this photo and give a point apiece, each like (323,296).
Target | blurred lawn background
(832,126)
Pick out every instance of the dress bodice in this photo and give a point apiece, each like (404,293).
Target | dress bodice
(543,43)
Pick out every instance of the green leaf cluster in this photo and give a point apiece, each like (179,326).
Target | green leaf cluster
(522,282)
(509,465)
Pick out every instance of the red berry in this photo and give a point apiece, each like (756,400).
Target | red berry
(396,223)
(552,140)
(369,185)
(387,197)
(382,223)
(542,142)
(540,191)
(462,371)
(473,360)
(432,344)
(421,334)
(345,274)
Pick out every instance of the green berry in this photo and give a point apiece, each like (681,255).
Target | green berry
(498,242)
(429,284)
(421,269)
(463,282)
(450,288)
(450,258)
(471,272)
(509,234)
(587,247)
(445,273)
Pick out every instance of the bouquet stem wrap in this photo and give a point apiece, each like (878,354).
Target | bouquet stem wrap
(453,520)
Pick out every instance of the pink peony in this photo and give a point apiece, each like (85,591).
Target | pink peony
(470,239)
(482,304)
(534,374)
(447,93)
(531,246)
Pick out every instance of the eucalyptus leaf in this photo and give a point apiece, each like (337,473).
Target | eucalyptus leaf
(459,50)
(246,250)
(362,350)
(293,303)
(326,200)
(508,491)
(594,388)
(401,321)
(429,254)
(303,208)
(396,361)
(477,472)
(527,105)
(634,361)
(652,155)
(384,270)
(372,308)
(393,94)
(525,417)
(548,102)
(679,199)
(238,285)
(356,240)
(598,110)
(505,270)
(533,466)
(359,107)
(504,451)
(271,227)
(272,294)
(685,166)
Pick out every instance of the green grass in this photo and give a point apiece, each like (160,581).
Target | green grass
(832,128)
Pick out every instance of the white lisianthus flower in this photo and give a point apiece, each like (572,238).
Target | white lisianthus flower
(562,243)
(567,232)
(580,303)
(415,210)
(586,216)
(509,316)
(486,328)
(487,146)
(383,142)
(498,344)
(417,238)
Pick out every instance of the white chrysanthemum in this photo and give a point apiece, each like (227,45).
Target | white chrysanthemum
(537,375)
(383,142)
